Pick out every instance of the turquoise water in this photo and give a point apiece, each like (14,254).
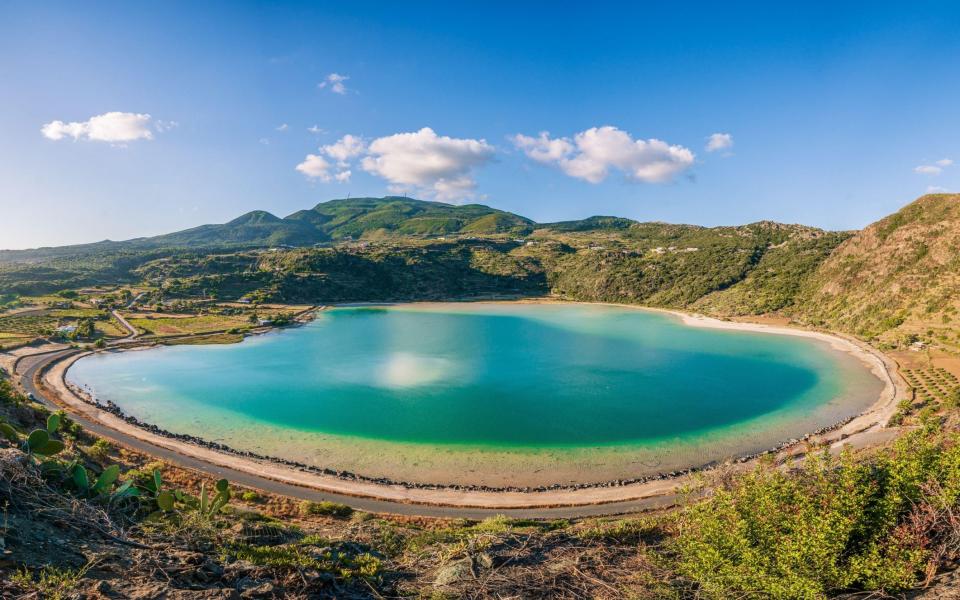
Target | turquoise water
(487,376)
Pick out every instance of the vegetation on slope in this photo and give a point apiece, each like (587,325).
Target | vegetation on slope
(875,525)
(350,218)
(898,280)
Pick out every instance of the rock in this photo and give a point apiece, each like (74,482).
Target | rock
(255,588)
(455,572)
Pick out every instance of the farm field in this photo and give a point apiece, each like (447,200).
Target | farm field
(163,325)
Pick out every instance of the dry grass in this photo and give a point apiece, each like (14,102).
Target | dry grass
(162,325)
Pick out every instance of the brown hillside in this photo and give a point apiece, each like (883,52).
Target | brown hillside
(898,280)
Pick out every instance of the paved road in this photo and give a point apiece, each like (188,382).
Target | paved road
(130,328)
(30,366)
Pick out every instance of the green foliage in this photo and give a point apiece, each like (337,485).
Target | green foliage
(205,506)
(165,500)
(53,423)
(250,496)
(100,449)
(838,525)
(52,583)
(309,553)
(623,531)
(332,509)
(9,433)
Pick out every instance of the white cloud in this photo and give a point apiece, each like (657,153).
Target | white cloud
(437,166)
(935,169)
(335,81)
(343,176)
(315,167)
(283,127)
(344,149)
(936,189)
(316,130)
(114,127)
(592,153)
(719,141)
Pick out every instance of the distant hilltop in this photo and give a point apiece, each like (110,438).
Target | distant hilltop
(349,219)
(895,281)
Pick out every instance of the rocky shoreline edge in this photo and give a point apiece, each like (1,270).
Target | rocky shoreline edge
(344,475)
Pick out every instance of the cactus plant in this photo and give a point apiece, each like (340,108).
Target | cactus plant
(106,480)
(80,478)
(165,501)
(53,423)
(9,432)
(50,448)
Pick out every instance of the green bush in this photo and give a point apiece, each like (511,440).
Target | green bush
(837,525)
(250,497)
(332,509)
(100,449)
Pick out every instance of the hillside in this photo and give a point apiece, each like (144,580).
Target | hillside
(334,220)
(896,280)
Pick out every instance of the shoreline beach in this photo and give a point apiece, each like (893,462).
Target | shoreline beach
(871,420)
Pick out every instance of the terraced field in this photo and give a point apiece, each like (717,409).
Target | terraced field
(934,385)
(28,325)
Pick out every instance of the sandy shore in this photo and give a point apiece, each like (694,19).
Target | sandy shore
(864,430)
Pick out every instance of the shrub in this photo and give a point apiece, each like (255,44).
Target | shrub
(332,509)
(250,496)
(837,525)
(100,449)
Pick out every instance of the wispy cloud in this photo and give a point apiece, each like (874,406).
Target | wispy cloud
(283,127)
(933,169)
(335,81)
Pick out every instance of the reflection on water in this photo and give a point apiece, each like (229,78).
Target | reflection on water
(491,392)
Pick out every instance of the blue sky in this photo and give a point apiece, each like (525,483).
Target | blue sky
(128,119)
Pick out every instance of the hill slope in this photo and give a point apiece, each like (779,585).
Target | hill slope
(896,279)
(350,218)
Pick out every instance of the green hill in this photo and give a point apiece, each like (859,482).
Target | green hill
(350,218)
(897,280)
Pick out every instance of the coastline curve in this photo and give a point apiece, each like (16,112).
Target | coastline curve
(607,497)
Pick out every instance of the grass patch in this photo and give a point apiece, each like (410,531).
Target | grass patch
(52,583)
(310,553)
(161,326)
(331,509)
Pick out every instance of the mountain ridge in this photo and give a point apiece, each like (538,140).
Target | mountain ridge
(351,218)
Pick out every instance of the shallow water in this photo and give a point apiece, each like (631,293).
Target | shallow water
(491,393)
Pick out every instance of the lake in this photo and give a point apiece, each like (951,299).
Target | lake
(492,393)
